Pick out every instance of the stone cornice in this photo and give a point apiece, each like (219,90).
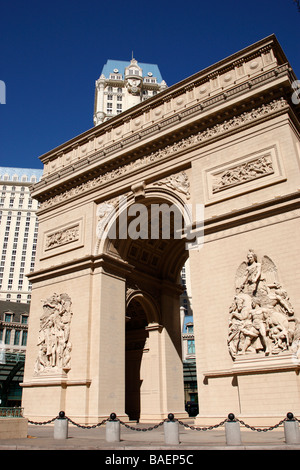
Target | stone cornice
(252,74)
(269,212)
(263,47)
(226,127)
(122,150)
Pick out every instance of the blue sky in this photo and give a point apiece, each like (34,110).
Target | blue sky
(52,53)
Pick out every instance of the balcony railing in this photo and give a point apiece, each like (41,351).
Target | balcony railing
(15,412)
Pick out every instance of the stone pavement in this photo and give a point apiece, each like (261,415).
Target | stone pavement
(41,437)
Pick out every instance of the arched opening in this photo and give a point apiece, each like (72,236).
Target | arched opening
(151,267)
(135,341)
(142,318)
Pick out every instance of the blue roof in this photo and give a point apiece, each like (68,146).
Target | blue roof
(20,172)
(122,64)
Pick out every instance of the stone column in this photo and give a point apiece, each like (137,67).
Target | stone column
(152,387)
(107,365)
(171,353)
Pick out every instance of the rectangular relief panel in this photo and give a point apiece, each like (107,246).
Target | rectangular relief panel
(243,175)
(64,238)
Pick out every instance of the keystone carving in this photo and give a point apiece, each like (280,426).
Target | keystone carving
(261,317)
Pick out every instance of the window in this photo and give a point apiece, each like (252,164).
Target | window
(133,71)
(24,338)
(17,337)
(115,76)
(191,346)
(8,317)
(7,336)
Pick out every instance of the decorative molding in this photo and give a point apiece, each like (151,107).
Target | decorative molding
(257,364)
(243,226)
(196,140)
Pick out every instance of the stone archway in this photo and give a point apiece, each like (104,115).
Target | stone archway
(153,328)
(226,138)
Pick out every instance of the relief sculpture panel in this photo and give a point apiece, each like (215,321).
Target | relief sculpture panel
(53,343)
(261,317)
(240,174)
(62,237)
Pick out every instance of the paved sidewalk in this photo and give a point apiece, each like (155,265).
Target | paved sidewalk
(41,437)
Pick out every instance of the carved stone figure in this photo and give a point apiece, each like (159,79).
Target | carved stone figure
(261,316)
(178,182)
(54,345)
(243,173)
(103,212)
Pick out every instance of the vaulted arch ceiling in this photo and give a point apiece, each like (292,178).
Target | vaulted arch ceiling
(161,256)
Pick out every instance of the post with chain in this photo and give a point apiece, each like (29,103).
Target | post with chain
(232,431)
(291,430)
(61,426)
(171,430)
(112,429)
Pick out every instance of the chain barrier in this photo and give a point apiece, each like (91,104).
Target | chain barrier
(143,429)
(82,426)
(43,422)
(113,417)
(289,417)
(253,428)
(208,428)
(62,416)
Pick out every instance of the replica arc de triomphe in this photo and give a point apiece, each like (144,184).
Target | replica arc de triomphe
(104,331)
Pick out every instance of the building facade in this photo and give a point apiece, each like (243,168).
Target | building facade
(188,340)
(13,342)
(18,232)
(123,85)
(226,140)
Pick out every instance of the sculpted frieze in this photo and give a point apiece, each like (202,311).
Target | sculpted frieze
(169,150)
(243,173)
(62,237)
(54,354)
(261,318)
